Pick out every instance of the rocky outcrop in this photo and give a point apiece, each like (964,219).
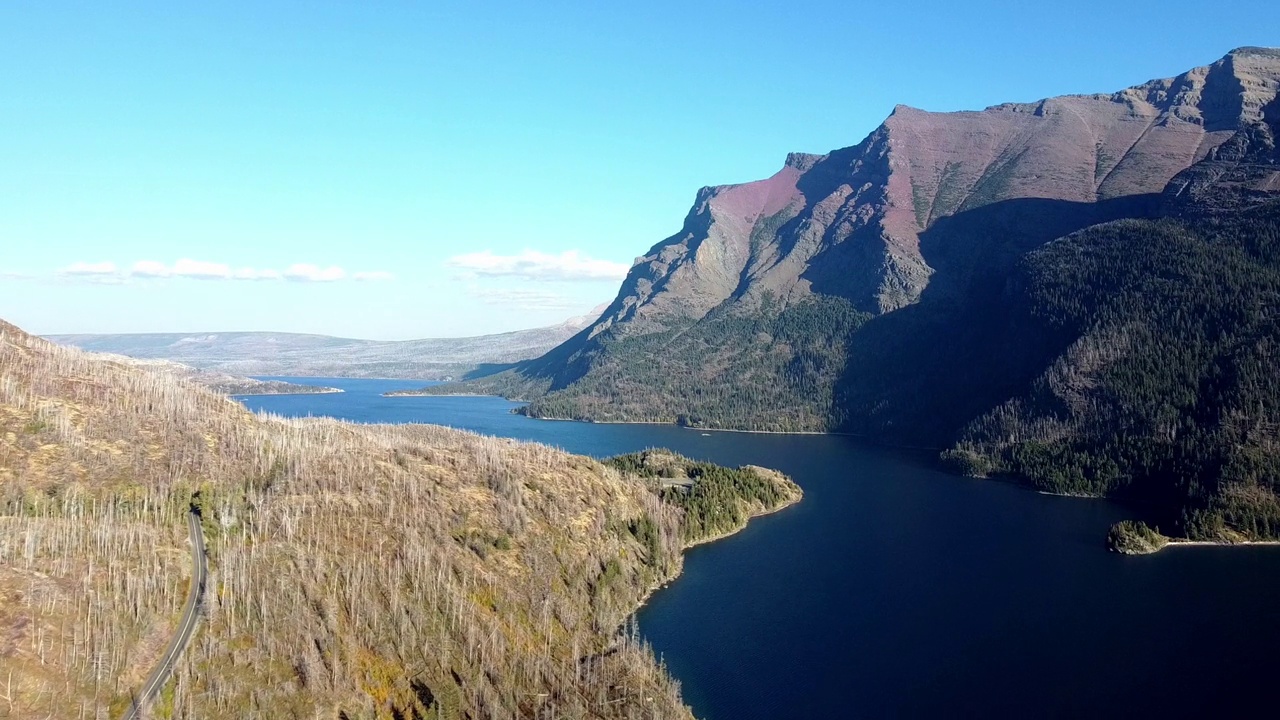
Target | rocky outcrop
(849,222)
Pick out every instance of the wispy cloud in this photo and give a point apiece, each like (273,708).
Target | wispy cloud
(97,273)
(252,274)
(200,270)
(186,268)
(149,269)
(303,272)
(524,299)
(12,275)
(534,265)
(89,269)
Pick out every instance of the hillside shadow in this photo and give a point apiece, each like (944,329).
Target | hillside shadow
(484,370)
(919,374)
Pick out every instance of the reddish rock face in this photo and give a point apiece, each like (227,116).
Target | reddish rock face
(850,222)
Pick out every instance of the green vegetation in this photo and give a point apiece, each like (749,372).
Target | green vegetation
(715,500)
(772,370)
(1165,394)
(1132,537)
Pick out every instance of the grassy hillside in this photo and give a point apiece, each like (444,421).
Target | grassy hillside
(1165,394)
(356,571)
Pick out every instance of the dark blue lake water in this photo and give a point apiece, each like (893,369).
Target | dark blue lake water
(894,590)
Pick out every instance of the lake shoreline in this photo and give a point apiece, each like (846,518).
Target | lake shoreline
(325,391)
(1217,543)
(644,599)
(415,393)
(857,436)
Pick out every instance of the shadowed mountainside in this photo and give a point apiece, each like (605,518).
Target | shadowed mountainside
(1155,381)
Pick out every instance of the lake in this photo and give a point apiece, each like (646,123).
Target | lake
(895,590)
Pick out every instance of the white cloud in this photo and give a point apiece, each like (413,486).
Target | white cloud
(11,275)
(200,270)
(149,269)
(524,299)
(89,269)
(252,274)
(187,268)
(534,265)
(108,273)
(303,272)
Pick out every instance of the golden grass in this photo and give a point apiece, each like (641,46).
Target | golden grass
(356,570)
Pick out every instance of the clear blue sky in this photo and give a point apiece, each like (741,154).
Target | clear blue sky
(395,170)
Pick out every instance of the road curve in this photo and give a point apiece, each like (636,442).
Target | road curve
(186,626)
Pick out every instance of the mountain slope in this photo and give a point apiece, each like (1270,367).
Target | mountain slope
(1164,393)
(267,353)
(823,297)
(355,570)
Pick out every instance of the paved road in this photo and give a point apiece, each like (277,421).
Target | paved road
(186,626)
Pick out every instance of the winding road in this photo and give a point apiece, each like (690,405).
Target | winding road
(186,626)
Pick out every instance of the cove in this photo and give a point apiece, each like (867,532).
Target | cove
(894,590)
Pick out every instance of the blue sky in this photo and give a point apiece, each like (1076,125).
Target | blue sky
(396,170)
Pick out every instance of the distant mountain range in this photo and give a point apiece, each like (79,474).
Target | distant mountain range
(295,354)
(1080,292)
(220,382)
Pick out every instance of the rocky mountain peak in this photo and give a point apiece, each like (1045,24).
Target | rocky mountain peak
(802,161)
(942,201)
(850,222)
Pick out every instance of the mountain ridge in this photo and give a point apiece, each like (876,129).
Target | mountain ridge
(928,214)
(312,355)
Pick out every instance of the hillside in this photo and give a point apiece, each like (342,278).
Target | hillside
(356,570)
(817,299)
(294,354)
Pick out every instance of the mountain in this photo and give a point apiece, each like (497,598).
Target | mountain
(295,354)
(354,570)
(851,291)
(1079,293)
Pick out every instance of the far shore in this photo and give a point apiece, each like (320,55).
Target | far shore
(1216,543)
(416,393)
(322,391)
(692,427)
(1080,496)
(342,377)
